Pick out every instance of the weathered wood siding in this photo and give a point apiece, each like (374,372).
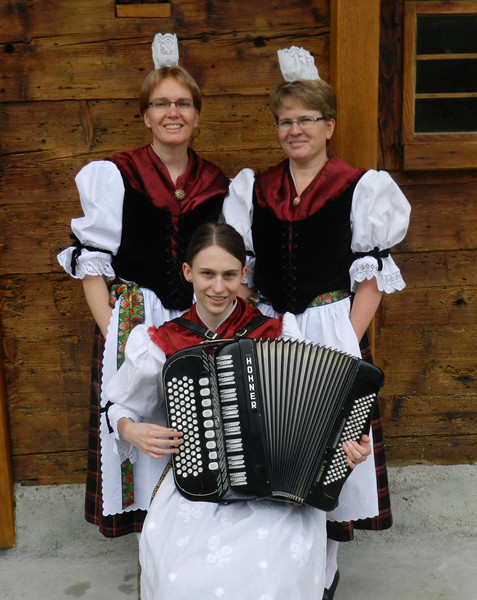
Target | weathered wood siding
(70,76)
(427,334)
(71,72)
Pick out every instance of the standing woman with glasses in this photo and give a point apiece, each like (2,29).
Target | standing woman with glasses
(318,233)
(140,210)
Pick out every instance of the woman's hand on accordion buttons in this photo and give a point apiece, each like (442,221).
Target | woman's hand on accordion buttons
(357,453)
(154,440)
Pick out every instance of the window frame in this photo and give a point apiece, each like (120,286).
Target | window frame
(150,9)
(428,151)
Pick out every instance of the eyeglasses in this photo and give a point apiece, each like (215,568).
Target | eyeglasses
(302,122)
(165,103)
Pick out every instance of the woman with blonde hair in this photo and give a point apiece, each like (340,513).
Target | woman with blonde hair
(319,233)
(140,209)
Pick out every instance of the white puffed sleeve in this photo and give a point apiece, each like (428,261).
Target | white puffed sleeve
(101,191)
(136,388)
(379,221)
(237,211)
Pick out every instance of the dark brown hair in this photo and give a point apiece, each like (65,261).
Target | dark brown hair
(216,234)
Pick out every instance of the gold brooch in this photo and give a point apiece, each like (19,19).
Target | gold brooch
(296,201)
(180,194)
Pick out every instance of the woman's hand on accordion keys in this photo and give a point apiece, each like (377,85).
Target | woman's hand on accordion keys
(154,440)
(357,453)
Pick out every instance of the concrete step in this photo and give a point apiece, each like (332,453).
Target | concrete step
(430,553)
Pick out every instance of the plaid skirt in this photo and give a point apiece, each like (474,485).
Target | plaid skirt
(111,525)
(344,531)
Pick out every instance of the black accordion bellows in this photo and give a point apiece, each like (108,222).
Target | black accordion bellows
(267,419)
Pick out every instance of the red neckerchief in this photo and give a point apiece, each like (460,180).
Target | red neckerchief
(276,189)
(172,337)
(148,175)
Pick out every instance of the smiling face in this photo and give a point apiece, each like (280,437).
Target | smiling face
(216,276)
(304,146)
(171,126)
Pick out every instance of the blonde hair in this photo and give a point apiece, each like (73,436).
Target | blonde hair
(155,77)
(315,94)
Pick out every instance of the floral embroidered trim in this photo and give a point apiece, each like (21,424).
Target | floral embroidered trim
(131,313)
(127,482)
(320,300)
(329,298)
(254,299)
(161,479)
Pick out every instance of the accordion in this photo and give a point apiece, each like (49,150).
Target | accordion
(266,419)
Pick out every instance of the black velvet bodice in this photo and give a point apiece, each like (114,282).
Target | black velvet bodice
(153,247)
(298,260)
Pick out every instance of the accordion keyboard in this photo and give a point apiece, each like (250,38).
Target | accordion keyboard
(232,426)
(352,431)
(189,461)
(190,412)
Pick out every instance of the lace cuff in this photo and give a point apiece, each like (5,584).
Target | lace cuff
(88,263)
(388,277)
(125,449)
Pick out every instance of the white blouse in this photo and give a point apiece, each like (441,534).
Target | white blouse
(101,190)
(379,218)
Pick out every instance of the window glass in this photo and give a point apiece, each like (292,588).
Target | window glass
(434,115)
(446,34)
(446,76)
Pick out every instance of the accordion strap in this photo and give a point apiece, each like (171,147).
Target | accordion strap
(212,335)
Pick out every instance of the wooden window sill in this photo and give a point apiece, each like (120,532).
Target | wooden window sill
(431,155)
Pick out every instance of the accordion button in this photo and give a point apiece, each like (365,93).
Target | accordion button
(213,466)
(212,455)
(209,434)
(207,413)
(210,445)
(208,423)
(206,403)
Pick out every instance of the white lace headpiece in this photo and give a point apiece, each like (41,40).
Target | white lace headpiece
(165,51)
(297,63)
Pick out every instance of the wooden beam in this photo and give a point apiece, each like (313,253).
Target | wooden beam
(354,75)
(7,520)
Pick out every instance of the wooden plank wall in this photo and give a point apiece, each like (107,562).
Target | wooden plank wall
(427,334)
(70,75)
(71,72)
